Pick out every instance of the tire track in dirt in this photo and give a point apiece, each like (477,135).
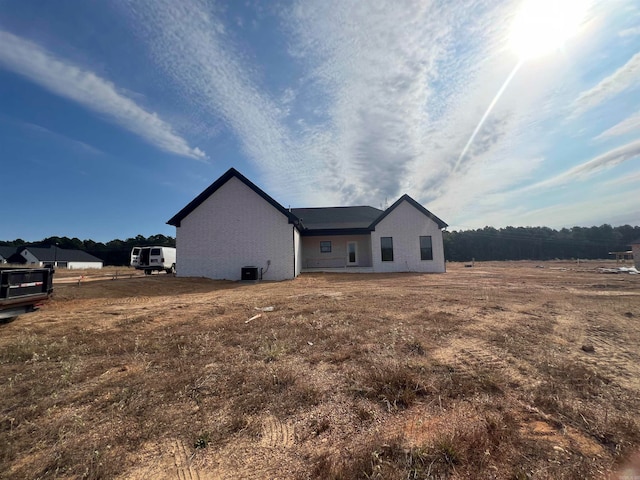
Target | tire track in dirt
(128,300)
(276,433)
(182,463)
(477,361)
(612,358)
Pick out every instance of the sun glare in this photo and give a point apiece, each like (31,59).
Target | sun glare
(543,26)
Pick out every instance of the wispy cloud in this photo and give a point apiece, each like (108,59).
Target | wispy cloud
(580,172)
(193,47)
(622,79)
(91,91)
(628,125)
(629,32)
(607,207)
(72,142)
(402,88)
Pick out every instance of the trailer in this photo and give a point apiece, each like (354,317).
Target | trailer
(23,290)
(154,258)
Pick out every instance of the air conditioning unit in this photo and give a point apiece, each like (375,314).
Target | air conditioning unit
(250,274)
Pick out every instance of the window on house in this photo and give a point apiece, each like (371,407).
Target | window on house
(325,247)
(426,252)
(386,246)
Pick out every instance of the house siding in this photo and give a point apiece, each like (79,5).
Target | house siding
(298,250)
(232,228)
(405,224)
(81,265)
(635,248)
(313,258)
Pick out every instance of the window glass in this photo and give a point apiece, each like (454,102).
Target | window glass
(386,246)
(325,247)
(426,252)
(155,251)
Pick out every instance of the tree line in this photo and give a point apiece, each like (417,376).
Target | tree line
(483,244)
(538,243)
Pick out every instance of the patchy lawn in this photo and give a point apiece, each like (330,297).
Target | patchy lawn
(514,370)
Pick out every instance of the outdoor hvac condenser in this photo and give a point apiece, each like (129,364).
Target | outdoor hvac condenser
(250,273)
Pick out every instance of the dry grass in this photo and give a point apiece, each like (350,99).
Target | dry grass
(478,373)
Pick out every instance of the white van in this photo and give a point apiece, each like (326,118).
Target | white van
(154,258)
(135,256)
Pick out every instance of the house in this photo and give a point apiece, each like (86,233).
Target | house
(54,256)
(234,224)
(635,248)
(6,253)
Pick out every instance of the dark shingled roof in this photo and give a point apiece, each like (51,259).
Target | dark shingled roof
(49,254)
(635,242)
(312,221)
(6,252)
(336,217)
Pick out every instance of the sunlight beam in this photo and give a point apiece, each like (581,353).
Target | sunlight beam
(486,114)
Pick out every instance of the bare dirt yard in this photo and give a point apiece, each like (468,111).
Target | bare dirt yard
(513,370)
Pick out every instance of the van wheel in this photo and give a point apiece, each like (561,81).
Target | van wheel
(147,272)
(172,270)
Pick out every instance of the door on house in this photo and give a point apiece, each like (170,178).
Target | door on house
(352,253)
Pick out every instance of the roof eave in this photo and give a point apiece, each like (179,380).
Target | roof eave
(322,232)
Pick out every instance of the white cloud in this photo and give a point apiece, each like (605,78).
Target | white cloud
(91,91)
(612,208)
(587,169)
(389,95)
(628,125)
(632,178)
(193,47)
(629,32)
(76,144)
(622,79)
(403,89)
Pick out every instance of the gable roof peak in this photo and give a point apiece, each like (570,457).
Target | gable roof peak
(211,189)
(406,198)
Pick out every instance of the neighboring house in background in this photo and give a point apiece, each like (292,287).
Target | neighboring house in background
(58,257)
(635,248)
(6,253)
(234,224)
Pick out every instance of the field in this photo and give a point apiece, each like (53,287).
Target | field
(510,370)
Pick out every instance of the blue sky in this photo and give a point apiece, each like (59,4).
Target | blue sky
(114,115)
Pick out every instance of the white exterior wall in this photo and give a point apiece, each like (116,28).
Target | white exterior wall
(231,229)
(79,265)
(636,255)
(298,247)
(313,258)
(405,224)
(30,258)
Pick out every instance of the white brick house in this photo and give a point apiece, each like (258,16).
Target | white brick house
(635,248)
(233,224)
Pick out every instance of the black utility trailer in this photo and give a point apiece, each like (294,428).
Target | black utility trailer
(22,290)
